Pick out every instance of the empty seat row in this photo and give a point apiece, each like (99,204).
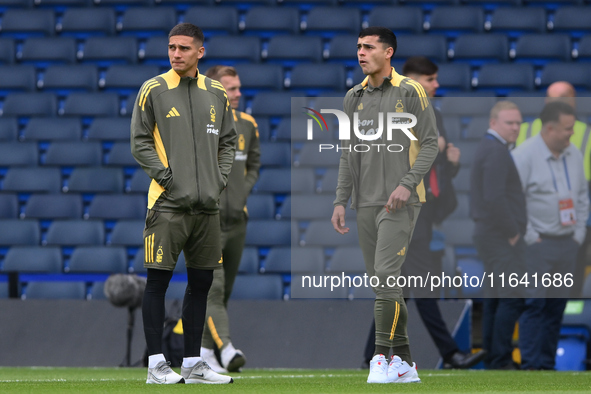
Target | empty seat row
(65,129)
(290,49)
(274,20)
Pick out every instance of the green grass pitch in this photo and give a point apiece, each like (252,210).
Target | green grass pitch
(261,381)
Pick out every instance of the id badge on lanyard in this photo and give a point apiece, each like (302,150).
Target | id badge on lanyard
(566,205)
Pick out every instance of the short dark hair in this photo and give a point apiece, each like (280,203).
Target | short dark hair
(385,36)
(419,65)
(189,30)
(553,110)
(219,71)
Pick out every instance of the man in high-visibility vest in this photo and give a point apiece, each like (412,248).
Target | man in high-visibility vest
(562,90)
(566,92)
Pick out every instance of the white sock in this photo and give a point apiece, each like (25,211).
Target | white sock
(189,362)
(154,359)
(228,353)
(205,352)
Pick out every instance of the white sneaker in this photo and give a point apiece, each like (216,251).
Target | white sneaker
(233,360)
(163,374)
(400,372)
(202,373)
(209,357)
(378,369)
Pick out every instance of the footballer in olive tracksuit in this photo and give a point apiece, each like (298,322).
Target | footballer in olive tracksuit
(233,218)
(370,177)
(183,135)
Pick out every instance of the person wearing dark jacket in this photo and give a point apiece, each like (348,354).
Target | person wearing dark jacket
(233,219)
(497,206)
(183,135)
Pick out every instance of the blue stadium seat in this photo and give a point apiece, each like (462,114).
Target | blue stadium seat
(25,23)
(139,183)
(144,22)
(214,20)
(9,129)
(138,263)
(479,48)
(59,4)
(97,292)
(8,206)
(572,19)
(176,290)
(329,181)
(295,260)
(130,77)
(343,48)
(530,105)
(399,19)
(3,288)
(48,50)
(467,106)
(95,180)
(309,207)
(7,50)
(272,104)
(53,206)
(75,232)
(462,211)
(279,180)
(321,233)
(348,259)
(19,232)
(52,129)
(316,78)
(249,263)
(155,51)
(432,46)
(456,20)
(33,259)
(232,49)
(123,3)
(260,76)
(55,290)
(270,21)
(118,206)
(120,155)
(70,153)
(310,155)
(306,4)
(32,180)
(584,50)
(330,21)
(292,49)
(260,206)
(541,48)
(518,20)
(15,78)
(267,233)
(253,287)
(454,77)
(91,104)
(127,233)
(275,154)
(18,154)
(109,129)
(578,74)
(29,104)
(506,76)
(108,50)
(111,259)
(68,78)
(85,22)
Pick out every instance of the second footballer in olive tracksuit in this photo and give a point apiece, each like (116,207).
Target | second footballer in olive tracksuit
(386,188)
(233,219)
(184,137)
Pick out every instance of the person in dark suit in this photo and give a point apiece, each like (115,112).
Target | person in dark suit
(497,206)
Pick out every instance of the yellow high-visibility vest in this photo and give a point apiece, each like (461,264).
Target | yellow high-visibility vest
(580,139)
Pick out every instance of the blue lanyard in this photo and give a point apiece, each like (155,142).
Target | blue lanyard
(565,171)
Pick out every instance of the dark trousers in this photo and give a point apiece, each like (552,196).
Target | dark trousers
(502,306)
(540,323)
